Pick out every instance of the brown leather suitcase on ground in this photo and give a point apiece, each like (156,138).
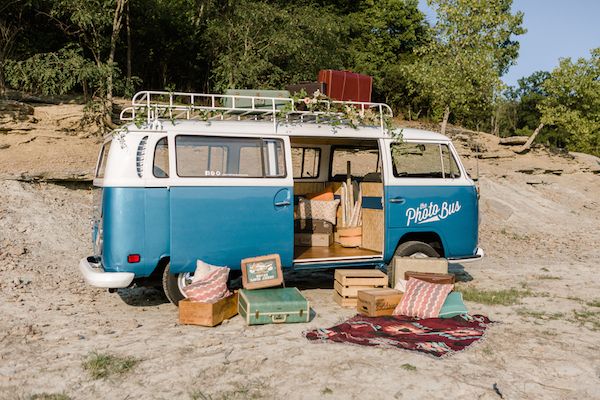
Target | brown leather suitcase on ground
(430,277)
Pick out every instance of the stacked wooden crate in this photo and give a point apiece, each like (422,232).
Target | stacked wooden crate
(349,281)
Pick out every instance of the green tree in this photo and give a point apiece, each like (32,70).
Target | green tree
(572,103)
(530,93)
(460,68)
(518,112)
(383,35)
(97,23)
(11,25)
(55,73)
(262,45)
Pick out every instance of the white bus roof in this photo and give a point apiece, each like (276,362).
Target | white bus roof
(265,128)
(231,115)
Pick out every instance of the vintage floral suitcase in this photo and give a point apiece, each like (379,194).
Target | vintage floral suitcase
(273,306)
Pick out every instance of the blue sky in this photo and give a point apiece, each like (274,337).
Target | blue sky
(555,29)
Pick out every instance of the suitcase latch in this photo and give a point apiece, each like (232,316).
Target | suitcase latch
(277,319)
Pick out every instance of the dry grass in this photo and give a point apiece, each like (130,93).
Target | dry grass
(246,390)
(540,314)
(548,277)
(593,303)
(408,367)
(588,318)
(49,396)
(504,297)
(101,366)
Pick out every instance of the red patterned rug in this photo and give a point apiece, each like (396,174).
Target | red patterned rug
(435,336)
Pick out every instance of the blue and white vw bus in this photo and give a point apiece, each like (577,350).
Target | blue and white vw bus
(216,178)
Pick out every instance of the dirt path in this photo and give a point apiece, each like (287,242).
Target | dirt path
(539,230)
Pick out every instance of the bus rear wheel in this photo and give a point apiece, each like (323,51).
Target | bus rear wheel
(173,284)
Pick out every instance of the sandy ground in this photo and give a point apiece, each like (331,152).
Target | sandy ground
(540,230)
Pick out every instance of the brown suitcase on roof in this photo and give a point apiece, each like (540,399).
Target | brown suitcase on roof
(430,277)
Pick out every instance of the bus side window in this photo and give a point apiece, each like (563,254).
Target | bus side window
(160,167)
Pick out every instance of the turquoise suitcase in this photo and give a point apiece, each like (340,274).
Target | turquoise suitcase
(273,306)
(258,103)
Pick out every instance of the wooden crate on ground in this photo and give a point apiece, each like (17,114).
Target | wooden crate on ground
(207,314)
(378,302)
(349,281)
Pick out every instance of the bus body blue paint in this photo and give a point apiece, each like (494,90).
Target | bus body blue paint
(135,221)
(221,225)
(449,211)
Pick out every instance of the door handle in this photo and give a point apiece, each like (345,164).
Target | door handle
(282,203)
(398,200)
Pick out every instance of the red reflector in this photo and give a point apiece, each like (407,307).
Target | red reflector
(133,258)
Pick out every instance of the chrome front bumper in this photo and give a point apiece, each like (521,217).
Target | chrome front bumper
(478,256)
(95,275)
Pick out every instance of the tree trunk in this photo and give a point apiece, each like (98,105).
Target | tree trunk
(2,84)
(113,46)
(86,96)
(445,120)
(128,43)
(527,145)
(8,36)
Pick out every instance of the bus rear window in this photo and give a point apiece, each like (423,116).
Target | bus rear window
(102,160)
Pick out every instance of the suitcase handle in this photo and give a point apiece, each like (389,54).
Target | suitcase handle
(278,319)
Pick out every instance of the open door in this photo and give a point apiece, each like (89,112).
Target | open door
(234,200)
(365,200)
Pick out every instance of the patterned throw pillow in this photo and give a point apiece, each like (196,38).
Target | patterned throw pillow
(202,270)
(211,288)
(318,209)
(423,299)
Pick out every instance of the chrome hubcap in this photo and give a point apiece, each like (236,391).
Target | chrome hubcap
(184,279)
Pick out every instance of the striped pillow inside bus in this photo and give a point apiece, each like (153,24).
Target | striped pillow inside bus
(423,299)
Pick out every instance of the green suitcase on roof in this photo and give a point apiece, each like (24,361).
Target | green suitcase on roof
(273,306)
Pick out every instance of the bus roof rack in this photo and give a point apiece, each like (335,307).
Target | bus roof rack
(148,106)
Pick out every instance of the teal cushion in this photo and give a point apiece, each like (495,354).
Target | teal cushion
(453,306)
